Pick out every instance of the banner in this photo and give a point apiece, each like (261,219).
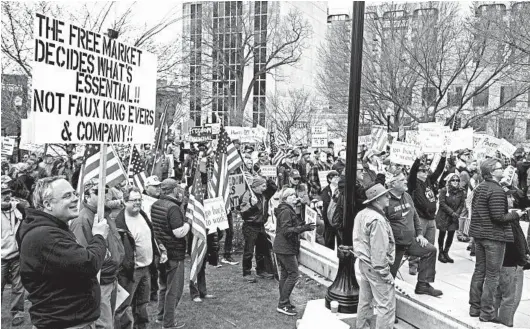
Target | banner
(8,146)
(323,178)
(404,153)
(319,136)
(269,171)
(310,218)
(237,189)
(201,132)
(215,215)
(89,88)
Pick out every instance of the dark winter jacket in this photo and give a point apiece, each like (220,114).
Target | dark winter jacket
(126,273)
(326,199)
(490,218)
(450,210)
(403,218)
(256,213)
(288,229)
(82,229)
(59,274)
(423,193)
(167,215)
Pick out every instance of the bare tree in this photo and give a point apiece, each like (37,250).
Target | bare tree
(247,37)
(289,111)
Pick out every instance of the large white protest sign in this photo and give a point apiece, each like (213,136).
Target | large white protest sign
(215,214)
(404,153)
(432,137)
(310,218)
(458,140)
(89,88)
(8,146)
(268,171)
(507,148)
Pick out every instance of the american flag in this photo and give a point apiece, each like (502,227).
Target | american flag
(282,139)
(227,159)
(136,174)
(195,216)
(277,155)
(261,146)
(90,170)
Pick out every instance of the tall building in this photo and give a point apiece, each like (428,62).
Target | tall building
(229,43)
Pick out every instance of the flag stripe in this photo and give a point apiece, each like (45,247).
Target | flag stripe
(114,171)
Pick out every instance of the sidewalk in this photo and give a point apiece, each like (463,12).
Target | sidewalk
(454,280)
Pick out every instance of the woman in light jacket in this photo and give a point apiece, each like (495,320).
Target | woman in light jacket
(287,245)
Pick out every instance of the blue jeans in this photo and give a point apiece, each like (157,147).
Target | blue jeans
(171,283)
(288,277)
(11,273)
(509,294)
(485,280)
(133,312)
(428,230)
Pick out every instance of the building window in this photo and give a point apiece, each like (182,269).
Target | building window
(260,60)
(508,97)
(428,96)
(506,128)
(482,98)
(454,97)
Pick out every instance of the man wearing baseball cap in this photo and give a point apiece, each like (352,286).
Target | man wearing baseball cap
(152,186)
(301,192)
(374,248)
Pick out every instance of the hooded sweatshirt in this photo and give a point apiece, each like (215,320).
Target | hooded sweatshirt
(288,229)
(59,274)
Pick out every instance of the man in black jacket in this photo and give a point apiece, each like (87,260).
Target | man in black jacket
(59,274)
(254,211)
(170,228)
(422,187)
(326,195)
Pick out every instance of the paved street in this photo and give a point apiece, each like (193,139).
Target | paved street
(454,280)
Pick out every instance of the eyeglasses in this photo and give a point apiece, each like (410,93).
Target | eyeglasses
(296,178)
(69,195)
(135,200)
(497,168)
(455,180)
(422,170)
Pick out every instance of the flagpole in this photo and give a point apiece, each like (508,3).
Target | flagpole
(102,179)
(130,159)
(160,131)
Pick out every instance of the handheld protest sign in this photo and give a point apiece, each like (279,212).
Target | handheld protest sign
(102,91)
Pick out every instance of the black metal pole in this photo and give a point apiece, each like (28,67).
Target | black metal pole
(388,123)
(345,289)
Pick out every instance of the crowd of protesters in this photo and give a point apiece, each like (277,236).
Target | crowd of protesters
(73,264)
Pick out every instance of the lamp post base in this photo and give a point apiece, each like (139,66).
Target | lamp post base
(345,289)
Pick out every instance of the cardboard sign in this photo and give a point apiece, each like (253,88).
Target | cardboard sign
(215,215)
(323,178)
(201,132)
(507,148)
(237,189)
(102,91)
(8,146)
(458,140)
(412,137)
(269,171)
(404,153)
(310,218)
(432,137)
(319,136)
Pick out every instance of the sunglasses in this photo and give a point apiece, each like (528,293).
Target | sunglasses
(296,178)
(455,180)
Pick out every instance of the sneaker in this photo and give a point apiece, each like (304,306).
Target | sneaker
(286,310)
(413,270)
(424,288)
(197,300)
(176,326)
(266,275)
(229,261)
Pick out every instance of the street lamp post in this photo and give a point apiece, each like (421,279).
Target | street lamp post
(17,102)
(345,289)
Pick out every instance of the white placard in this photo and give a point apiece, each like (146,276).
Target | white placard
(8,146)
(432,137)
(319,136)
(310,218)
(323,178)
(404,153)
(88,88)
(507,148)
(458,140)
(215,214)
(268,171)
